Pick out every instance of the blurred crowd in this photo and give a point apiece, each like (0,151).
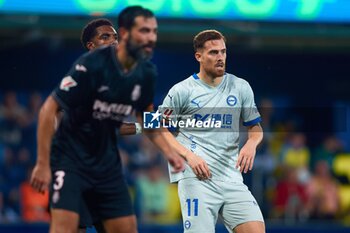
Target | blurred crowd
(291,180)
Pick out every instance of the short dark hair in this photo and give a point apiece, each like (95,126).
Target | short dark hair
(202,37)
(89,31)
(126,18)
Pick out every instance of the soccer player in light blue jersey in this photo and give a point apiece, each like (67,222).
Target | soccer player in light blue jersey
(207,108)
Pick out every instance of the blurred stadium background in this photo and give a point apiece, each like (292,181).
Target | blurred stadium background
(294,53)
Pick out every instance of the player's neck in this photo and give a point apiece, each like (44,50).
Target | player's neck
(127,62)
(209,79)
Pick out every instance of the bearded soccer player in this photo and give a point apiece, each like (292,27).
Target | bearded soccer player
(101,88)
(214,95)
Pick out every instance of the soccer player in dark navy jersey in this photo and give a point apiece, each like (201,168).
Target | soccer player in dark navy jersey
(97,33)
(101,88)
(97,97)
(101,32)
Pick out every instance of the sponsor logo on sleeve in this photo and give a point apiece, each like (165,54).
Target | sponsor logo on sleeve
(167,113)
(67,83)
(80,68)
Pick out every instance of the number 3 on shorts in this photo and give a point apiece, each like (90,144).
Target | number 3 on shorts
(59,180)
(195,206)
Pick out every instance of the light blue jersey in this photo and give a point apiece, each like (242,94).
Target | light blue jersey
(227,104)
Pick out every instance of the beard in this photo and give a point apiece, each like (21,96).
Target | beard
(217,73)
(137,51)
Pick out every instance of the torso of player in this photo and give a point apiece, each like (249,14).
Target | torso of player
(218,145)
(87,131)
(117,94)
(116,97)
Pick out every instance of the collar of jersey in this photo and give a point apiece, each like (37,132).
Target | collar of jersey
(195,76)
(119,65)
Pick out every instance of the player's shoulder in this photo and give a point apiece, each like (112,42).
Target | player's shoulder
(185,85)
(98,56)
(149,67)
(236,81)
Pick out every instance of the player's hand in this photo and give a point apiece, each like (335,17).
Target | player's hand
(177,163)
(246,158)
(198,165)
(41,178)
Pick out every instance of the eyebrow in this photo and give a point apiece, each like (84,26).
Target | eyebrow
(217,50)
(108,34)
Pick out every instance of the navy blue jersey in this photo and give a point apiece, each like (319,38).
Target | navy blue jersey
(96,95)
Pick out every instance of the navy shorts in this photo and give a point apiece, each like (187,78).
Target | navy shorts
(93,199)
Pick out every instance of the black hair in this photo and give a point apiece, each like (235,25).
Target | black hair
(126,18)
(89,31)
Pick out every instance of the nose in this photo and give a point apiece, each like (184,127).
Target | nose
(111,41)
(221,56)
(152,37)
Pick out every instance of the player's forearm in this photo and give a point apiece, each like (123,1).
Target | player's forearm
(175,145)
(159,141)
(46,130)
(255,135)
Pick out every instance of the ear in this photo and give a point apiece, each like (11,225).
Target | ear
(122,32)
(90,45)
(198,56)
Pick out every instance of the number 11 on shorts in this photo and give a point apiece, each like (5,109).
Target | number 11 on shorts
(195,206)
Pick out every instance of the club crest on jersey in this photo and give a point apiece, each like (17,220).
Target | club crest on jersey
(67,82)
(136,92)
(231,100)
(187,224)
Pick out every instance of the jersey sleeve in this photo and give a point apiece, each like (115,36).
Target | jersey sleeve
(75,88)
(250,113)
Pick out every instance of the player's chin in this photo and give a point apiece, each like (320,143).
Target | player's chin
(147,55)
(148,51)
(220,71)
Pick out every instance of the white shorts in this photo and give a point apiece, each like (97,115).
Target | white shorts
(202,202)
